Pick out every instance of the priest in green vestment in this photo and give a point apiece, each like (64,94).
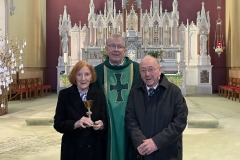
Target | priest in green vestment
(116,76)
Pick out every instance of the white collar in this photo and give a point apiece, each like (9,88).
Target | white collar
(118,64)
(155,87)
(82,92)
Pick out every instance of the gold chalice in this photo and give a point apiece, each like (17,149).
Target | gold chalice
(88,105)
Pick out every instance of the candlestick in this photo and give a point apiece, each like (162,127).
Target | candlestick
(80,24)
(179,47)
(65,56)
(178,62)
(178,57)
(86,53)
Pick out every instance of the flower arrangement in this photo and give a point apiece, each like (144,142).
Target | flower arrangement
(103,55)
(153,53)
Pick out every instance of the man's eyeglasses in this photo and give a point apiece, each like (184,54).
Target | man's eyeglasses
(150,70)
(116,46)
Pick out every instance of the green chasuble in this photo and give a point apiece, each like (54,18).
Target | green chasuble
(117,82)
(117,86)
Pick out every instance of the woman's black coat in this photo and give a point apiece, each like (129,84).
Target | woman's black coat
(84,144)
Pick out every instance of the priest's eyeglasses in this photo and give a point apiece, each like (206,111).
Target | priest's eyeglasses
(149,70)
(116,46)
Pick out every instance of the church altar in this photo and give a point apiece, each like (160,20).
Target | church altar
(175,78)
(182,49)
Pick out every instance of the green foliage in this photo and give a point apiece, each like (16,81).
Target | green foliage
(64,82)
(153,53)
(104,55)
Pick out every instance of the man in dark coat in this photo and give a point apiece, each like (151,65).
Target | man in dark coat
(156,114)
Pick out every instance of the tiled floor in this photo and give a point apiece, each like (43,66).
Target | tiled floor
(19,141)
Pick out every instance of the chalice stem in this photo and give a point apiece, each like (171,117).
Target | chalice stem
(89,113)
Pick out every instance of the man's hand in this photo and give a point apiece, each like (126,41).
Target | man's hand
(147,147)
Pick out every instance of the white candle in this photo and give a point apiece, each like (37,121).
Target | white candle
(179,47)
(65,56)
(178,57)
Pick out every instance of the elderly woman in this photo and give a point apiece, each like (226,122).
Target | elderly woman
(83,137)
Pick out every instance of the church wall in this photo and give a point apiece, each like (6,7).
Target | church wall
(233,34)
(29,22)
(2,17)
(78,9)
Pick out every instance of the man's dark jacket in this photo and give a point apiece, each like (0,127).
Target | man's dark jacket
(162,117)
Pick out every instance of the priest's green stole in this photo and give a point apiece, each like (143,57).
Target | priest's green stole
(117,85)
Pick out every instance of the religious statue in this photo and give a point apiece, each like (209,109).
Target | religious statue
(166,36)
(203,44)
(64,43)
